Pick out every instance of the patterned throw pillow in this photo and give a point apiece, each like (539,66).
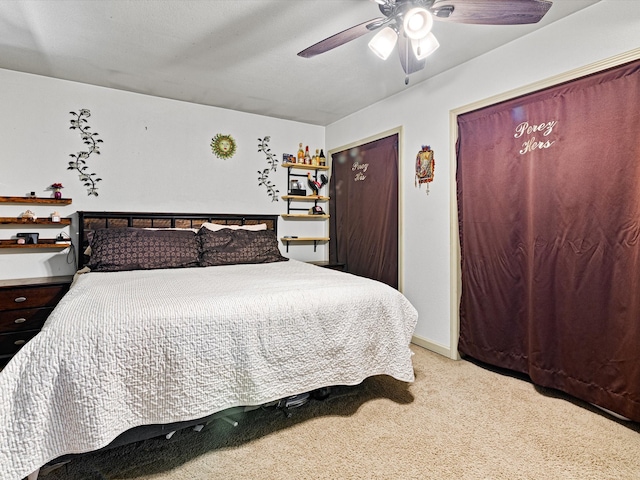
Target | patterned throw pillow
(228,246)
(116,249)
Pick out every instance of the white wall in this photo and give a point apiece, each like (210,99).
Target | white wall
(608,28)
(156,156)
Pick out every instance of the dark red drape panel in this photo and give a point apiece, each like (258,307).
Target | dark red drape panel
(549,212)
(364,210)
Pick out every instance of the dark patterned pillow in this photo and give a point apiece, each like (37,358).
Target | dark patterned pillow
(116,249)
(228,247)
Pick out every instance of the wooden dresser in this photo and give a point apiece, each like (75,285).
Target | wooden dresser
(25,304)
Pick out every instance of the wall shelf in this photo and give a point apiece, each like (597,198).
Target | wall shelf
(302,166)
(36,200)
(40,221)
(42,243)
(301,198)
(306,216)
(304,239)
(315,240)
(304,207)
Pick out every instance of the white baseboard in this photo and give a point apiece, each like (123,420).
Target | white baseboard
(434,347)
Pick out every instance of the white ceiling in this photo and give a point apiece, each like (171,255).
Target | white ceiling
(236,54)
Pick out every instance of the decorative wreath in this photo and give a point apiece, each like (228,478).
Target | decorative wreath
(223,146)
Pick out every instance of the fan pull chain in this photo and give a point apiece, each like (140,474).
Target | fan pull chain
(406,54)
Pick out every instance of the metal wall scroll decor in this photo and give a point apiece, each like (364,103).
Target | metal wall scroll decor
(425,166)
(79,162)
(272,162)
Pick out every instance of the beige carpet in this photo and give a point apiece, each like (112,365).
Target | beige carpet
(457,421)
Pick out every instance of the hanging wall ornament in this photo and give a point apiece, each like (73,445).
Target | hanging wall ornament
(272,162)
(79,162)
(425,166)
(223,146)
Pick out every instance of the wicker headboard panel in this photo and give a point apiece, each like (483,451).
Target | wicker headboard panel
(89,221)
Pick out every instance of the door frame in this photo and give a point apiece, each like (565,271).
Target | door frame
(373,138)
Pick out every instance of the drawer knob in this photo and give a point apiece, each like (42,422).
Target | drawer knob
(20,320)
(19,342)
(20,299)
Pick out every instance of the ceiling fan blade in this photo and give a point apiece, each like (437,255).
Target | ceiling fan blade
(410,64)
(491,12)
(341,38)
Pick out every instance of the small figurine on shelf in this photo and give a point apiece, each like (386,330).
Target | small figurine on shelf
(56,187)
(315,185)
(28,215)
(55,217)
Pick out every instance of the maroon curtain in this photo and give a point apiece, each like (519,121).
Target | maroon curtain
(549,212)
(364,210)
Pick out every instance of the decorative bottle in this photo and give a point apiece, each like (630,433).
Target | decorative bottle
(322,161)
(300,154)
(307,157)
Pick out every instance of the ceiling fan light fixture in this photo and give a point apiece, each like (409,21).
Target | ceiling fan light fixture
(417,23)
(383,43)
(424,47)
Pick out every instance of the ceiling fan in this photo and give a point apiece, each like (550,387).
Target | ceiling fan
(408,23)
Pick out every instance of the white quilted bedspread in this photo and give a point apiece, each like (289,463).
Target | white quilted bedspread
(124,349)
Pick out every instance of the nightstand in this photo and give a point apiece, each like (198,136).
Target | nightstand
(25,304)
(332,265)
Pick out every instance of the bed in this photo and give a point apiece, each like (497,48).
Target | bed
(145,346)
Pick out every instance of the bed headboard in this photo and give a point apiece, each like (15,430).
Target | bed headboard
(89,221)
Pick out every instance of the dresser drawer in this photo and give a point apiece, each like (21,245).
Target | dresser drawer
(25,305)
(28,297)
(20,320)
(10,343)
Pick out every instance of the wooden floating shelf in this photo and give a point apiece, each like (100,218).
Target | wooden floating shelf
(40,221)
(42,243)
(305,197)
(315,240)
(36,200)
(38,246)
(305,239)
(303,215)
(305,167)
